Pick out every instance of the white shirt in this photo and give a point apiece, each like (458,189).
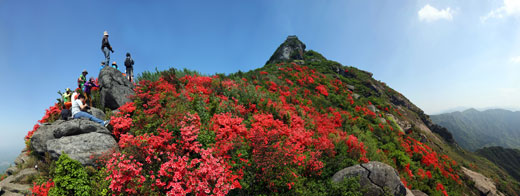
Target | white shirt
(76,106)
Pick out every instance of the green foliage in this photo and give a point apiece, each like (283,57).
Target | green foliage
(70,178)
(148,75)
(509,159)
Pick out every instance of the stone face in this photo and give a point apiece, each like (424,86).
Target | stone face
(97,113)
(62,128)
(485,185)
(372,108)
(82,147)
(114,87)
(10,187)
(78,138)
(291,49)
(418,193)
(374,176)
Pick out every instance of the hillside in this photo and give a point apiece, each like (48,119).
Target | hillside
(299,125)
(473,129)
(507,158)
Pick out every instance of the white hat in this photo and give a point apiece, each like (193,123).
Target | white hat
(105,33)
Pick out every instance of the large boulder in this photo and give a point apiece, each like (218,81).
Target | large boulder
(374,176)
(97,113)
(114,87)
(291,49)
(483,184)
(78,138)
(82,147)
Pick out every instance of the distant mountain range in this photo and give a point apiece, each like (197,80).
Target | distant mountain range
(473,129)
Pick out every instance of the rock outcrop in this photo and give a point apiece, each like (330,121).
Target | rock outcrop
(483,184)
(291,49)
(79,138)
(114,87)
(375,176)
(97,113)
(10,185)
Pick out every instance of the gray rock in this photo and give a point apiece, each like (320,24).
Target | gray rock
(11,188)
(42,135)
(291,49)
(418,193)
(62,128)
(21,159)
(374,176)
(114,87)
(350,87)
(97,113)
(11,170)
(356,96)
(10,194)
(82,147)
(23,175)
(16,188)
(372,108)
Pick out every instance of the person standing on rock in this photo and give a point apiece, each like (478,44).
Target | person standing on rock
(66,98)
(106,48)
(88,87)
(77,107)
(82,79)
(129,64)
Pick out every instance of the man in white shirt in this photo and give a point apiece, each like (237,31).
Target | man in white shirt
(78,106)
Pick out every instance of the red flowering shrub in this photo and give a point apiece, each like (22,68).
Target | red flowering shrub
(322,89)
(120,124)
(51,114)
(43,189)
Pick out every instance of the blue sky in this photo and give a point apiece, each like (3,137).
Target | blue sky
(440,54)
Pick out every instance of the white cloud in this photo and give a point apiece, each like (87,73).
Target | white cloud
(429,14)
(510,8)
(515,60)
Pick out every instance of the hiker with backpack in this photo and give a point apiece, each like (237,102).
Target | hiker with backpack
(88,87)
(78,111)
(82,79)
(129,64)
(106,47)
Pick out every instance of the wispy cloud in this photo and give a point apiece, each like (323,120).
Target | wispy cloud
(429,14)
(510,7)
(515,60)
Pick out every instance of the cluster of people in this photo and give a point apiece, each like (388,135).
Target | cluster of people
(75,103)
(106,48)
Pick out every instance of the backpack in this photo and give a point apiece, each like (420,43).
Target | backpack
(65,114)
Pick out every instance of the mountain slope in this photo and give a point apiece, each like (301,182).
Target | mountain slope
(509,159)
(473,129)
(283,129)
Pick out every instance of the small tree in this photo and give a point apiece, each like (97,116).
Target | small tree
(70,178)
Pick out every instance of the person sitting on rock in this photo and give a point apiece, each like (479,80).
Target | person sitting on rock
(129,64)
(67,98)
(82,79)
(77,107)
(106,47)
(88,87)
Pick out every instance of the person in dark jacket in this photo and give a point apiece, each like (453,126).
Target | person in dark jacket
(88,88)
(106,48)
(129,64)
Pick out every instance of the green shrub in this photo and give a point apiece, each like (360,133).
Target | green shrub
(70,178)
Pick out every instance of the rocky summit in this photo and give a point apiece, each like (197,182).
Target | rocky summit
(300,125)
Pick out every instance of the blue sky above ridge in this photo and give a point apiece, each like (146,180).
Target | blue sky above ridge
(439,54)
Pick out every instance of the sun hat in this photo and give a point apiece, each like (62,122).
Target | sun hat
(105,33)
